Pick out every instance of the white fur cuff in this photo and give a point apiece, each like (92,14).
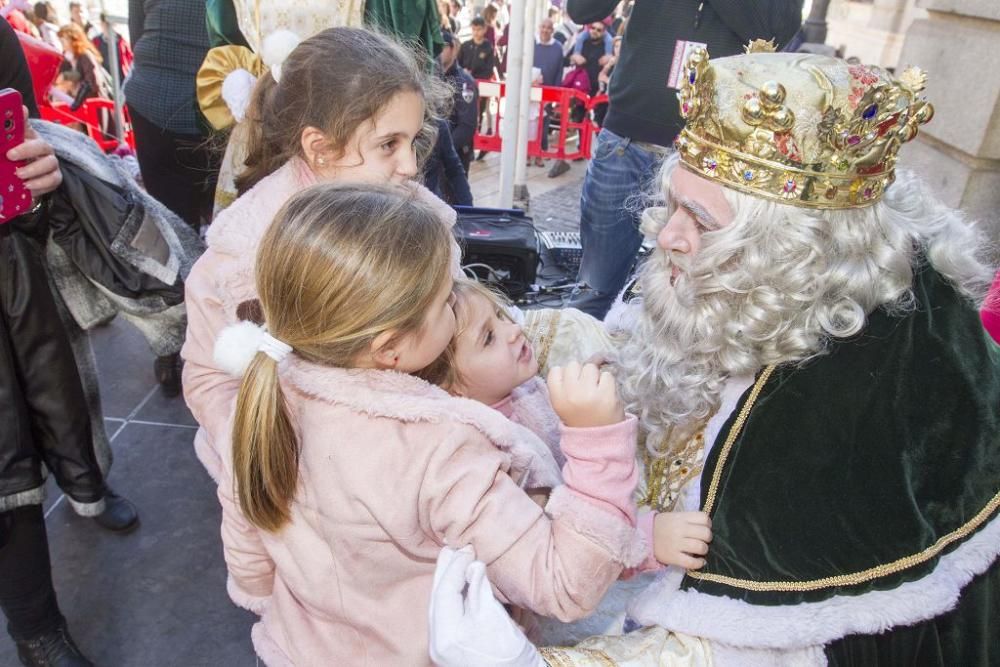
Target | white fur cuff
(625,544)
(254,603)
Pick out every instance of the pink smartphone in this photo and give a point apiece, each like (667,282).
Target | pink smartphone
(15,199)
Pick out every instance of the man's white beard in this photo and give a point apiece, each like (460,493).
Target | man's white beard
(672,368)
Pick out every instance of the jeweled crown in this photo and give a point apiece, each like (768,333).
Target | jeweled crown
(802,129)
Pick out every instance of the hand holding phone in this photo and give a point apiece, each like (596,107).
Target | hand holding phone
(15,198)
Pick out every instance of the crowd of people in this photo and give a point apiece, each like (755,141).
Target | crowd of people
(779,444)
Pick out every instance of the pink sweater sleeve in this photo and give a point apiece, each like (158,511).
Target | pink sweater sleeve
(600,466)
(559,562)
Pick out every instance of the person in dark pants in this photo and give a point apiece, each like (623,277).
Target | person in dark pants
(643,118)
(464,110)
(43,411)
(444,174)
(477,57)
(179,167)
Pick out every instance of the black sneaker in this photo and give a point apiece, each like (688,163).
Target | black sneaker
(54,649)
(168,374)
(119,514)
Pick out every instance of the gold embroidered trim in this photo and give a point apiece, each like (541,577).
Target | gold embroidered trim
(666,476)
(563,657)
(865,575)
(827,582)
(544,341)
(734,432)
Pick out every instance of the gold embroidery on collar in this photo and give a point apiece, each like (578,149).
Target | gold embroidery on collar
(827,582)
(666,476)
(563,657)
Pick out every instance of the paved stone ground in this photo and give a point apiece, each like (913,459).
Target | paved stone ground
(558,209)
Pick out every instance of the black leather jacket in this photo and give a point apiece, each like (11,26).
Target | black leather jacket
(42,405)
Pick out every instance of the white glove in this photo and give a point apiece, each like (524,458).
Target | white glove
(468,627)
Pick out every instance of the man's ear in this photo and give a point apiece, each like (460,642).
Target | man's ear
(383,350)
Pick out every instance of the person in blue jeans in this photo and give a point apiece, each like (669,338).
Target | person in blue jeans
(643,117)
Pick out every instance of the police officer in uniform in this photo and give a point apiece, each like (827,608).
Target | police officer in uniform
(464,112)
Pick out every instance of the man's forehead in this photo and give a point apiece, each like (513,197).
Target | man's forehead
(687,186)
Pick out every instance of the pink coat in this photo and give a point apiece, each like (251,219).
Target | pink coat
(406,469)
(222,279)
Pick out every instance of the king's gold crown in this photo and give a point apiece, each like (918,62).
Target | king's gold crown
(802,129)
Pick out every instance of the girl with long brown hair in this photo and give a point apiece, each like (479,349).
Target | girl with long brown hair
(346,105)
(348,474)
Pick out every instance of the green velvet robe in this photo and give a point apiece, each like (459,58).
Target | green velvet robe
(870,465)
(409,19)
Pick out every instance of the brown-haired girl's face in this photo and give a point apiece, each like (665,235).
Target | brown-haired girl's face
(381,152)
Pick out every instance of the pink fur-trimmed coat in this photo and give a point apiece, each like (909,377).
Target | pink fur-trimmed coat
(392,468)
(222,279)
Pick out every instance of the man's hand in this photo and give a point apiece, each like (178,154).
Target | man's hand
(682,538)
(605,59)
(584,396)
(41,175)
(577,59)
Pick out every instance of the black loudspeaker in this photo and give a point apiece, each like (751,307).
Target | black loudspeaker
(500,246)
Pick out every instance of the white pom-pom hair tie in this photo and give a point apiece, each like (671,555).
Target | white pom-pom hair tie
(276,48)
(237,345)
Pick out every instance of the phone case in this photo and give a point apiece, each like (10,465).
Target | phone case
(15,199)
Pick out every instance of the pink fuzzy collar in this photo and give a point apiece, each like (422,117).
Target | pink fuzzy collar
(406,398)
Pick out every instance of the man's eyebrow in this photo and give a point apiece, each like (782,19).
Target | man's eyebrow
(699,212)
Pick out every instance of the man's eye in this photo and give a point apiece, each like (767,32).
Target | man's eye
(489,338)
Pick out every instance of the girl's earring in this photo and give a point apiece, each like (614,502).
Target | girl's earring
(321,161)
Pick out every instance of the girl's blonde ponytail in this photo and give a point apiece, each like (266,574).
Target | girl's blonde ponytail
(265,448)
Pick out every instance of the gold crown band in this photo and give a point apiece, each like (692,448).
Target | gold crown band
(779,182)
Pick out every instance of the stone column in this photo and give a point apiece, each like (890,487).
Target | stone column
(958,152)
(814,28)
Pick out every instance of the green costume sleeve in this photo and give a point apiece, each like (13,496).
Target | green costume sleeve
(415,20)
(223,28)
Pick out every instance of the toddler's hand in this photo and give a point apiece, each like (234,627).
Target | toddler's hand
(681,538)
(584,396)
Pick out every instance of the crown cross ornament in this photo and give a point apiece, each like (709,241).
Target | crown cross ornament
(802,129)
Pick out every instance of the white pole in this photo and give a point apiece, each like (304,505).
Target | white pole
(512,105)
(520,163)
(111,39)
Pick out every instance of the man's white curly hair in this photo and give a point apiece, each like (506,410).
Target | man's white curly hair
(776,286)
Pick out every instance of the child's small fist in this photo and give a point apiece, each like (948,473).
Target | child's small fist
(682,538)
(584,396)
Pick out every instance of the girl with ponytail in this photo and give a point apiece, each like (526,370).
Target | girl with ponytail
(346,105)
(348,473)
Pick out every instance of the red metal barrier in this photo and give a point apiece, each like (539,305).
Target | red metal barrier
(561,100)
(89,114)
